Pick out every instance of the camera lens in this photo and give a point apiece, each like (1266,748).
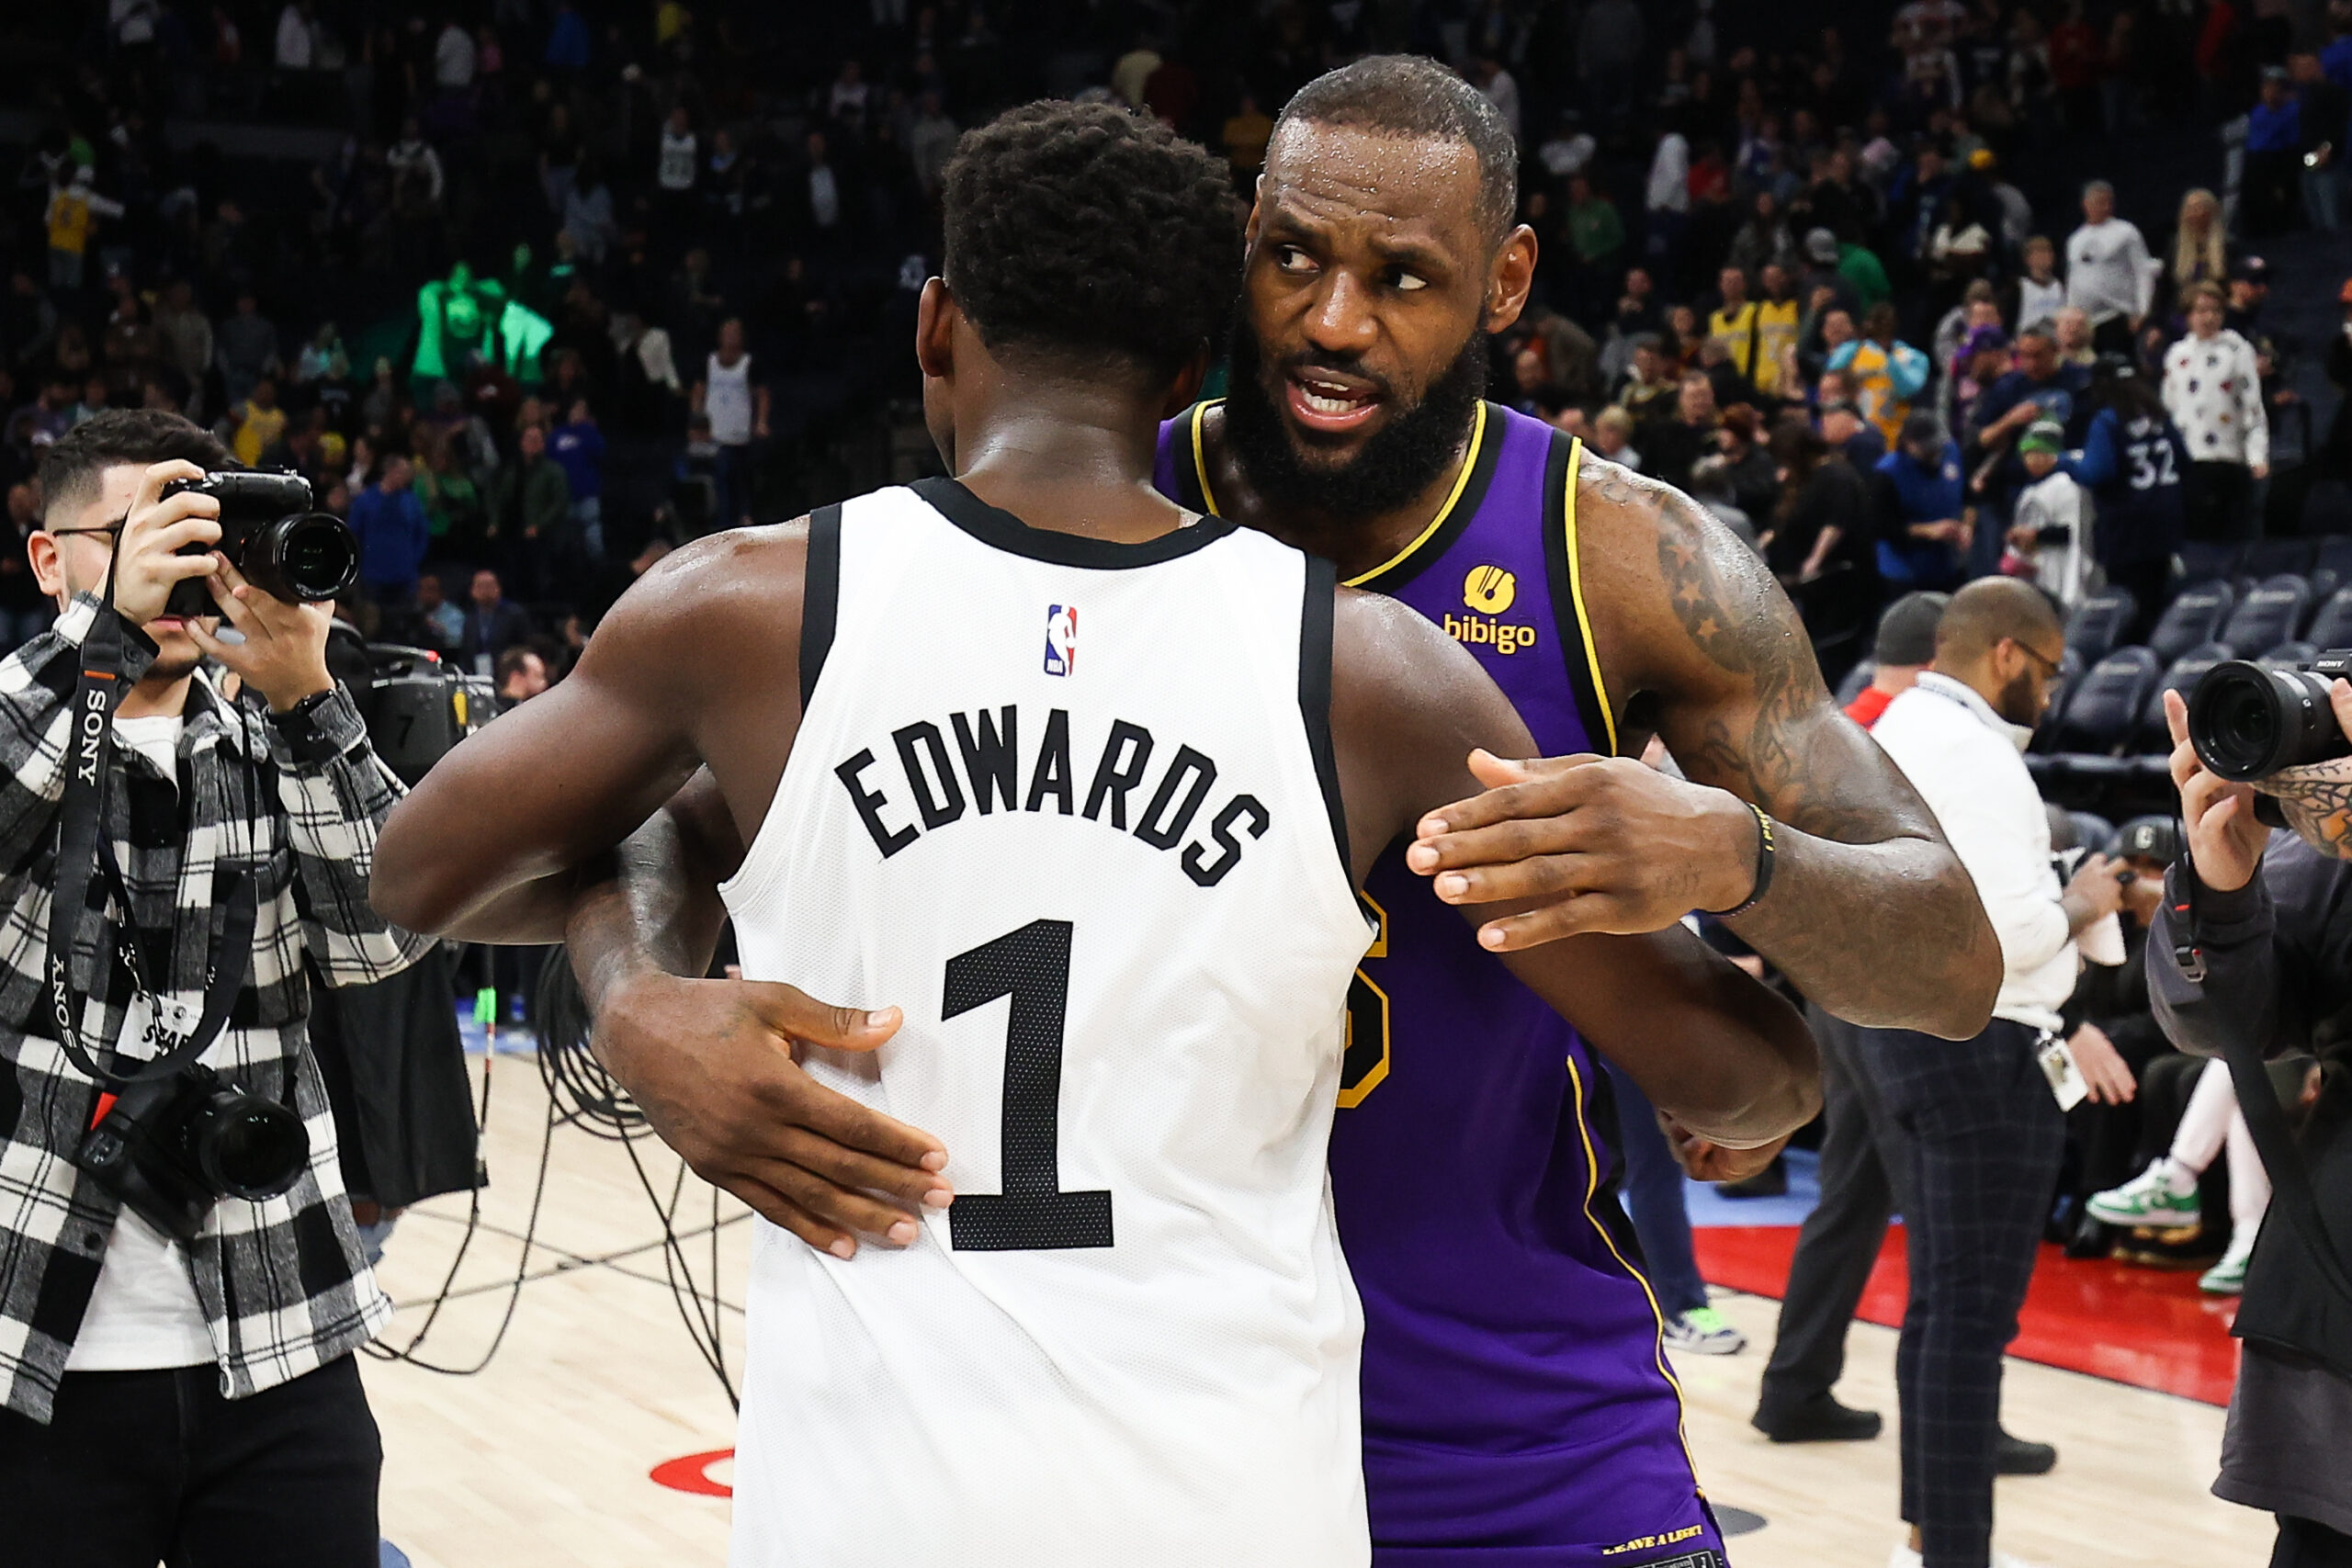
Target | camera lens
(309,557)
(2247,722)
(246,1146)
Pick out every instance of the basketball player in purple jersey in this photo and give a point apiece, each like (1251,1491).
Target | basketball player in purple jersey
(1518,1407)
(1519,1412)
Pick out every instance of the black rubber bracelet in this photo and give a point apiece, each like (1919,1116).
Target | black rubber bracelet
(1764,854)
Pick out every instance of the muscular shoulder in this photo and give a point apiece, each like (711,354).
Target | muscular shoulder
(1678,603)
(721,606)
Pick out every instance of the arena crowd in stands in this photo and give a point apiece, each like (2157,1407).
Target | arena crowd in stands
(532,289)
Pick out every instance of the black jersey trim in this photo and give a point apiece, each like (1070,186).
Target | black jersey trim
(1486,451)
(1315,695)
(821,594)
(1567,603)
(1001,530)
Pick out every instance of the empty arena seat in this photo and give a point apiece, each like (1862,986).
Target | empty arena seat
(2092,831)
(2180,676)
(2102,713)
(2271,558)
(2206,562)
(2194,616)
(2099,623)
(2324,581)
(2270,616)
(2332,627)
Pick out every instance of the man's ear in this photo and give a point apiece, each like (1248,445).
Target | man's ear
(935,330)
(1513,275)
(1186,389)
(49,570)
(1256,211)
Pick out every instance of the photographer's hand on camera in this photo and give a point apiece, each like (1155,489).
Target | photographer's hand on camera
(147,564)
(2225,840)
(280,650)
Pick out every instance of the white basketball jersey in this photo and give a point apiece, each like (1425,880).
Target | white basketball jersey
(1070,805)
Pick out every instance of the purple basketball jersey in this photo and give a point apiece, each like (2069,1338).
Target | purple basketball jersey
(1518,1407)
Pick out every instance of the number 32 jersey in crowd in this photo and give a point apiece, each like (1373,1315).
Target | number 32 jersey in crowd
(1071,805)
(1518,1408)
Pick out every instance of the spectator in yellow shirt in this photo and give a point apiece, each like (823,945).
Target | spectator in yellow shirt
(1779,316)
(1733,326)
(74,211)
(260,422)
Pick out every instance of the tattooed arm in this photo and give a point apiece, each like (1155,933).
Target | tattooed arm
(1869,912)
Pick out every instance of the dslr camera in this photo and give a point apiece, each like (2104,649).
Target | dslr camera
(270,531)
(2248,720)
(173,1147)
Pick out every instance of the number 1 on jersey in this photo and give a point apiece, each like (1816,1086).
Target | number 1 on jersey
(1032,1214)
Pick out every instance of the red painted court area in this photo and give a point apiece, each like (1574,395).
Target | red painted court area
(2151,1328)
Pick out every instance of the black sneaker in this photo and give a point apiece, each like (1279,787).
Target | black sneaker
(1822,1420)
(2015,1456)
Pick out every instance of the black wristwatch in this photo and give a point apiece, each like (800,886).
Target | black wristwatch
(299,727)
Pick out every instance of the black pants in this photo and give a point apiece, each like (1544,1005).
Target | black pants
(1985,1136)
(1840,1241)
(145,1467)
(2307,1543)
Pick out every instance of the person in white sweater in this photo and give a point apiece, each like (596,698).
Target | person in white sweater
(2212,389)
(2109,271)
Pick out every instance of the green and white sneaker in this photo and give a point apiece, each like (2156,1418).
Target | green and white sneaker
(1703,1331)
(2147,1200)
(2227,1278)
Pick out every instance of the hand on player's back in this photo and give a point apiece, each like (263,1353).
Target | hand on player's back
(713,1066)
(1609,844)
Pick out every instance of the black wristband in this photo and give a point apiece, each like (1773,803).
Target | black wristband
(1764,855)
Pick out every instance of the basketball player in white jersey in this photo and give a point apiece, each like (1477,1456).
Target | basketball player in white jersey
(1081,786)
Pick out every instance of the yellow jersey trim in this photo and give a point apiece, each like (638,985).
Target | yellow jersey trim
(1201,458)
(1461,483)
(1452,497)
(1576,593)
(1591,1187)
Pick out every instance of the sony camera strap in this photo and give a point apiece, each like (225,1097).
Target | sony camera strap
(81,848)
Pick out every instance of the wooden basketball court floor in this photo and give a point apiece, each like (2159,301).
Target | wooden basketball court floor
(547,1456)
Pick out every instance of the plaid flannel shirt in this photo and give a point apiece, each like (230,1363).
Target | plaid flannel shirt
(282,1282)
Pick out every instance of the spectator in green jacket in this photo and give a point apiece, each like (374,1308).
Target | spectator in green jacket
(530,515)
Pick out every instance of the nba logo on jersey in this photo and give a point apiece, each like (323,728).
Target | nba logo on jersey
(1061,638)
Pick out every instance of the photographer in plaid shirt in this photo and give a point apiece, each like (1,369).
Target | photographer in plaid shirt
(197,1404)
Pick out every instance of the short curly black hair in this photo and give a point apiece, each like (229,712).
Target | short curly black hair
(1078,231)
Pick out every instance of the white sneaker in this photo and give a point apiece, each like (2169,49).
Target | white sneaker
(2227,1278)
(1703,1331)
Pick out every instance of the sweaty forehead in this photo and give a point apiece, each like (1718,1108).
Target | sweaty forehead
(1411,187)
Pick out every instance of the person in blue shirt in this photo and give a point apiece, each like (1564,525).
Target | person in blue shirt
(578,449)
(2274,156)
(388,521)
(1924,529)
(2133,462)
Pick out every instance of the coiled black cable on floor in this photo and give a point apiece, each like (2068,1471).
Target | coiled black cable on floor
(581,1094)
